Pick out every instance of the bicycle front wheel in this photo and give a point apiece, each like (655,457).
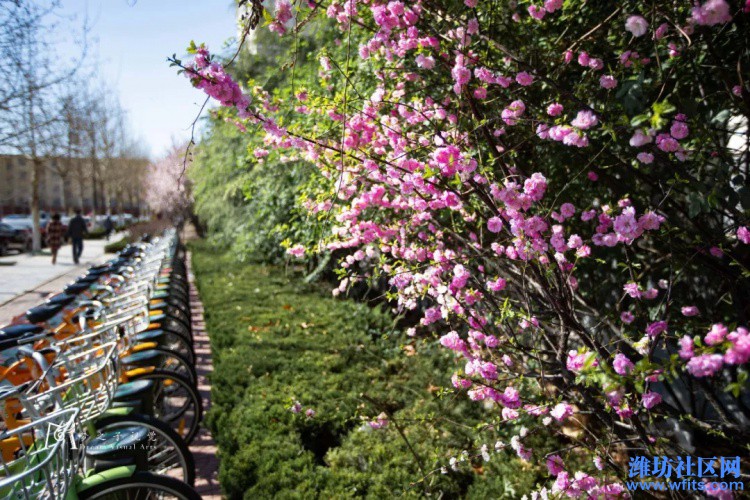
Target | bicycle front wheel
(167,452)
(138,486)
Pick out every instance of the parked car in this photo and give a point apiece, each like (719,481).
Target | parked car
(14,239)
(24,221)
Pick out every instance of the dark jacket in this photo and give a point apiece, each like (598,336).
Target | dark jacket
(77,227)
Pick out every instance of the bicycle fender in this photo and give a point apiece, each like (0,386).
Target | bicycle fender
(104,476)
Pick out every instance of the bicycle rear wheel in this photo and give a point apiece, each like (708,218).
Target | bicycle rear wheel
(176,402)
(140,485)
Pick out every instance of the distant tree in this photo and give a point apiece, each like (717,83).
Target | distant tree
(167,187)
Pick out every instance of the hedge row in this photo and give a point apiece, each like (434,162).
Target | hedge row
(277,340)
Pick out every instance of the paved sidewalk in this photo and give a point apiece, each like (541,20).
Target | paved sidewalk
(25,279)
(203,446)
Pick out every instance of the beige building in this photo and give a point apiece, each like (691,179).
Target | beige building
(70,183)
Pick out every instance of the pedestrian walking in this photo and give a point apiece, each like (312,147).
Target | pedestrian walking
(55,232)
(76,231)
(108,226)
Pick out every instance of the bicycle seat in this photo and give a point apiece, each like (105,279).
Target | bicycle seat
(61,298)
(88,279)
(142,358)
(76,288)
(40,314)
(149,336)
(98,272)
(134,389)
(11,334)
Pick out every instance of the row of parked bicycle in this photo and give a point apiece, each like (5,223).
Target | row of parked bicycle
(98,393)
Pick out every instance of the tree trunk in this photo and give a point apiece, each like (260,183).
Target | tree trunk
(63,199)
(36,173)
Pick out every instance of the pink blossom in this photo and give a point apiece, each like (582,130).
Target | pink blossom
(640,139)
(296,407)
(585,120)
(596,64)
(425,62)
(555,109)
(712,12)
(380,422)
(576,361)
(739,353)
(705,365)
(637,25)
(667,143)
(632,290)
(690,311)
(537,12)
(296,251)
(513,111)
(561,412)
(283,11)
(495,224)
(650,399)
(627,317)
(608,81)
(679,130)
(555,465)
(743,234)
(510,398)
(583,59)
(497,285)
(622,364)
(553,5)
(626,225)
(686,347)
(656,328)
(567,210)
(310,413)
(524,79)
(645,158)
(716,335)
(452,341)
(661,31)
(592,176)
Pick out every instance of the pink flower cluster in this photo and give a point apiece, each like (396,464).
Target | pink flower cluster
(711,12)
(214,81)
(720,347)
(668,142)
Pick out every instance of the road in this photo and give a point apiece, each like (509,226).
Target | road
(25,279)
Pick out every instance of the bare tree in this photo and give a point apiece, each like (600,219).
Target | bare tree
(30,89)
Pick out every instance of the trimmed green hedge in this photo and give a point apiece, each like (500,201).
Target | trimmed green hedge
(276,340)
(116,246)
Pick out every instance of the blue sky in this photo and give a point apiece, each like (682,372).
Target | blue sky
(133,39)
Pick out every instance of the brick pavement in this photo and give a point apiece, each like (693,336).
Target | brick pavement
(203,447)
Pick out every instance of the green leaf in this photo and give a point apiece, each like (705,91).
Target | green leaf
(639,120)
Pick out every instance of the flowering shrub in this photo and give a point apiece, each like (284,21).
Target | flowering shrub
(557,188)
